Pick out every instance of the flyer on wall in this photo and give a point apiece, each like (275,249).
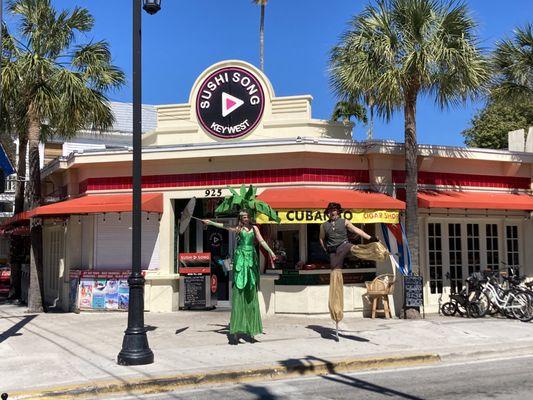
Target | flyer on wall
(123,295)
(86,293)
(111,294)
(99,294)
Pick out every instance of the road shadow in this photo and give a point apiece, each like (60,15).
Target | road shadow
(260,391)
(14,330)
(150,328)
(307,364)
(329,333)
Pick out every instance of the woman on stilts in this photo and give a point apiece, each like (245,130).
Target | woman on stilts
(245,314)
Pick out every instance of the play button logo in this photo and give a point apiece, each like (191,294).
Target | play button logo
(230,103)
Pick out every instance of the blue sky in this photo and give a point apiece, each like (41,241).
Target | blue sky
(187,36)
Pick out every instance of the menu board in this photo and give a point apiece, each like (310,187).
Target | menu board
(195,290)
(195,272)
(413,291)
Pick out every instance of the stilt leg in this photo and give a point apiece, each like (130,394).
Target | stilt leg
(337,331)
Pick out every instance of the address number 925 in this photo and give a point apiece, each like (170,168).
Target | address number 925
(213,192)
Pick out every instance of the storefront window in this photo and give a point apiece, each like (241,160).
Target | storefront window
(354,262)
(491,239)
(456,265)
(287,247)
(435,257)
(317,255)
(474,254)
(315,252)
(512,246)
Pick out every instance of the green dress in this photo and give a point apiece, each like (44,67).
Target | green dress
(245,315)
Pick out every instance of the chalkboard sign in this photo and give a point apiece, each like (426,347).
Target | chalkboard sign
(195,291)
(195,273)
(413,294)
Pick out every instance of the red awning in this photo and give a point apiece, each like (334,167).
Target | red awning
(317,198)
(91,204)
(20,217)
(476,200)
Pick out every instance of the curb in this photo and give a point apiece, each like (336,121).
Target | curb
(296,368)
(483,354)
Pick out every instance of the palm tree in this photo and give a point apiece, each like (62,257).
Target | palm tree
(513,65)
(345,110)
(61,87)
(397,50)
(13,124)
(262,3)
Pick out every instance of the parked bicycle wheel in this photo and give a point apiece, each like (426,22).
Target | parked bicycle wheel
(493,310)
(522,307)
(449,309)
(482,304)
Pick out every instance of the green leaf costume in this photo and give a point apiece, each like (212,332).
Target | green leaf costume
(245,314)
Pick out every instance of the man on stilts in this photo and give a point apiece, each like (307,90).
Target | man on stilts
(334,241)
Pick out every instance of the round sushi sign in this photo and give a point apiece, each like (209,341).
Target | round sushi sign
(230,103)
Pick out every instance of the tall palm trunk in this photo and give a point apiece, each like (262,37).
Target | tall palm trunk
(411,178)
(36,291)
(371,124)
(16,243)
(262,38)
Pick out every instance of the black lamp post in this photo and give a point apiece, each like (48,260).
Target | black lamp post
(152,6)
(135,348)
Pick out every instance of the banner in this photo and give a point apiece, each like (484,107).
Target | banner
(316,216)
(396,242)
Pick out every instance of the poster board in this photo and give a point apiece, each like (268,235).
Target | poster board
(99,290)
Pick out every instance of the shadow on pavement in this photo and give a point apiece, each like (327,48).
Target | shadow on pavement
(14,330)
(329,333)
(305,364)
(223,329)
(178,331)
(260,391)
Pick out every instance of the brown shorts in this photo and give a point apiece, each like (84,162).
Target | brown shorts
(337,259)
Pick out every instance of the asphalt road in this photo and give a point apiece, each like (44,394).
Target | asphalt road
(492,379)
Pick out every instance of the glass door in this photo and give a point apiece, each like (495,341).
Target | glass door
(220,243)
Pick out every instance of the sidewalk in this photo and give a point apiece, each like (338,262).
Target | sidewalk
(79,350)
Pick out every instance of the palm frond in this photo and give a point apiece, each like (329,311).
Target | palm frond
(245,200)
(513,65)
(69,95)
(399,46)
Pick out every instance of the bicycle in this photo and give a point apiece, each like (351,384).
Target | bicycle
(510,302)
(470,301)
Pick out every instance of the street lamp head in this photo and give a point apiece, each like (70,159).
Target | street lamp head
(151,6)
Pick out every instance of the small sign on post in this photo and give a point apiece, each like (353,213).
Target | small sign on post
(413,292)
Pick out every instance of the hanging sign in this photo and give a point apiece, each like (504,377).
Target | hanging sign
(316,216)
(230,103)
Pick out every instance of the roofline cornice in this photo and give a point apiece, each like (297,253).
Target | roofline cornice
(297,145)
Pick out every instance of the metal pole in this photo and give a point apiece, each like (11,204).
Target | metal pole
(135,349)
